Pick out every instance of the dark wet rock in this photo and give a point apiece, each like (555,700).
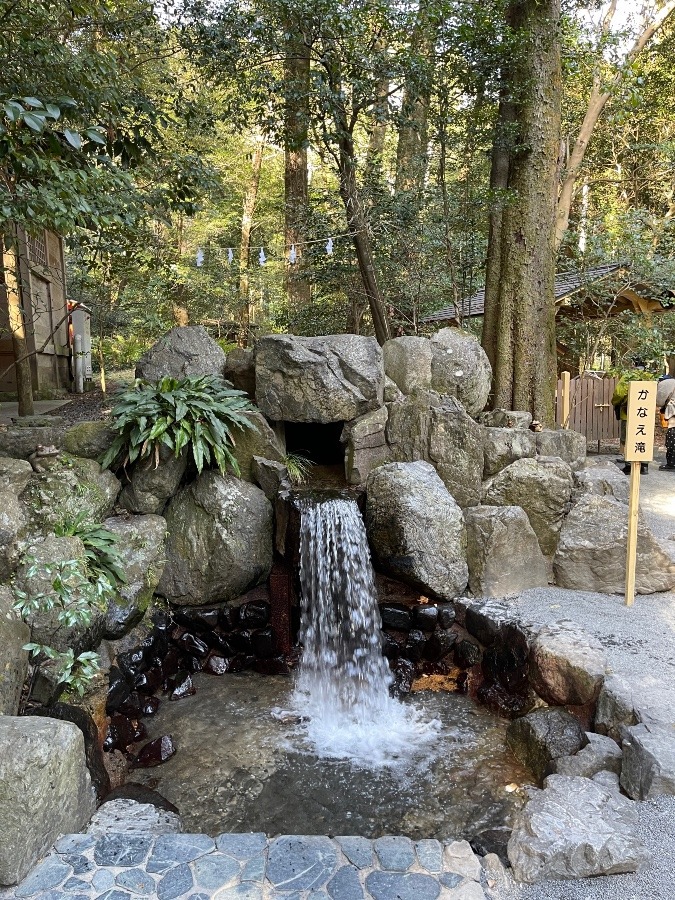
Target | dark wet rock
(492,840)
(425,617)
(131,663)
(150,681)
(125,850)
(122,733)
(228,617)
(171,663)
(141,794)
(467,654)
(411,886)
(415,645)
(481,625)
(150,705)
(137,706)
(197,617)
(193,645)
(446,614)
(396,854)
(183,687)
(543,736)
(390,648)
(404,675)
(242,641)
(301,863)
(194,663)
(345,885)
(254,614)
(396,616)
(648,761)
(500,701)
(277,666)
(217,665)
(155,752)
(440,644)
(118,691)
(506,662)
(219,642)
(161,620)
(263,643)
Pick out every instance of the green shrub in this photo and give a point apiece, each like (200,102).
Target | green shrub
(100,548)
(298,467)
(199,413)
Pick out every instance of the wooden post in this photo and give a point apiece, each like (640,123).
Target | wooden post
(565,399)
(631,546)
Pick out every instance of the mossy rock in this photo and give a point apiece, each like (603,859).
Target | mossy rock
(89,439)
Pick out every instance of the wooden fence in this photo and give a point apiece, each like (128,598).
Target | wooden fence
(590,408)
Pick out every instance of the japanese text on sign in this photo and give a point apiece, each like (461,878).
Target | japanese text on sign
(640,423)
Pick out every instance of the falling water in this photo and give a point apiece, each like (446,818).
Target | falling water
(342,690)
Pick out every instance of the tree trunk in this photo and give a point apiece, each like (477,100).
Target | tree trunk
(17,326)
(296,123)
(250,199)
(520,303)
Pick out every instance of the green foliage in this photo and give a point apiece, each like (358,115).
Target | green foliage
(195,413)
(100,548)
(299,467)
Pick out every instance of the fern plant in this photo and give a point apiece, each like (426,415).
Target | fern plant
(100,548)
(198,413)
(298,467)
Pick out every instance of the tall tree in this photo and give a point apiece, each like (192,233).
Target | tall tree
(519,334)
(250,199)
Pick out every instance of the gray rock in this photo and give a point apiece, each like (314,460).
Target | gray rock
(181,353)
(270,476)
(123,850)
(458,857)
(19,442)
(170,849)
(567,665)
(176,883)
(430,855)
(242,846)
(648,769)
(502,551)
(608,780)
(563,443)
(141,546)
(395,853)
(13,527)
(124,816)
(74,487)
(257,441)
(505,418)
(49,874)
(220,541)
(136,881)
(215,871)
(544,735)
(460,368)
(365,445)
(391,390)
(503,446)
(411,886)
(301,863)
(542,487)
(14,633)
(415,528)
(45,790)
(151,487)
(605,480)
(574,829)
(240,370)
(346,885)
(14,474)
(591,553)
(624,702)
(318,379)
(89,440)
(407,361)
(358,851)
(601,754)
(438,430)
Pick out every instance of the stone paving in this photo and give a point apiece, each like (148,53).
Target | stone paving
(119,866)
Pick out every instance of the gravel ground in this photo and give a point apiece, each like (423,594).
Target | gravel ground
(95,404)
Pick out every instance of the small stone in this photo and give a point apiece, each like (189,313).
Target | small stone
(246,891)
(600,754)
(156,752)
(254,869)
(184,687)
(102,880)
(648,762)
(215,871)
(451,879)
(458,857)
(396,854)
(242,846)
(425,617)
(440,644)
(430,855)
(170,849)
(415,645)
(467,654)
(79,864)
(345,885)
(121,850)
(446,614)
(74,885)
(137,881)
(177,881)
(113,895)
(411,886)
(48,874)
(74,843)
(301,863)
(396,616)
(358,851)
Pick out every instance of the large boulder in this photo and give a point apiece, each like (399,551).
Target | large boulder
(240,370)
(20,440)
(181,353)
(73,488)
(14,474)
(151,486)
(333,378)
(141,546)
(415,528)
(503,552)
(567,666)
(604,479)
(439,430)
(542,487)
(365,445)
(544,735)
(646,699)
(591,553)
(220,541)
(460,368)
(259,440)
(564,443)
(270,476)
(407,361)
(45,790)
(648,769)
(13,525)
(601,754)
(89,439)
(503,446)
(14,633)
(574,828)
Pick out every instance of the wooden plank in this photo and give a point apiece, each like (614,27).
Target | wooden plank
(631,544)
(565,399)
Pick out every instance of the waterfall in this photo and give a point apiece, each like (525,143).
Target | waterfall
(342,690)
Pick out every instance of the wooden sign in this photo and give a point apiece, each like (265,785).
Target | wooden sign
(641,421)
(639,448)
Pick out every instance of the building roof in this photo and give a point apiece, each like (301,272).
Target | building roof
(566,283)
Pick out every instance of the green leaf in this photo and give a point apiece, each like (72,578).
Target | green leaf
(34,121)
(73,138)
(33,101)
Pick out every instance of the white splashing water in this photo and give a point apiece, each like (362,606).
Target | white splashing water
(342,690)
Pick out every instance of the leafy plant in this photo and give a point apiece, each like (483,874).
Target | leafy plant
(100,548)
(298,467)
(196,412)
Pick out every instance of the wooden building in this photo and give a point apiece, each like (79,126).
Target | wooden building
(36,264)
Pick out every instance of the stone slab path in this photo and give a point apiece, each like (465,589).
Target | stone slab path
(119,866)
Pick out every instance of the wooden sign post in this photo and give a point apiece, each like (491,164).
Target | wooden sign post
(639,449)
